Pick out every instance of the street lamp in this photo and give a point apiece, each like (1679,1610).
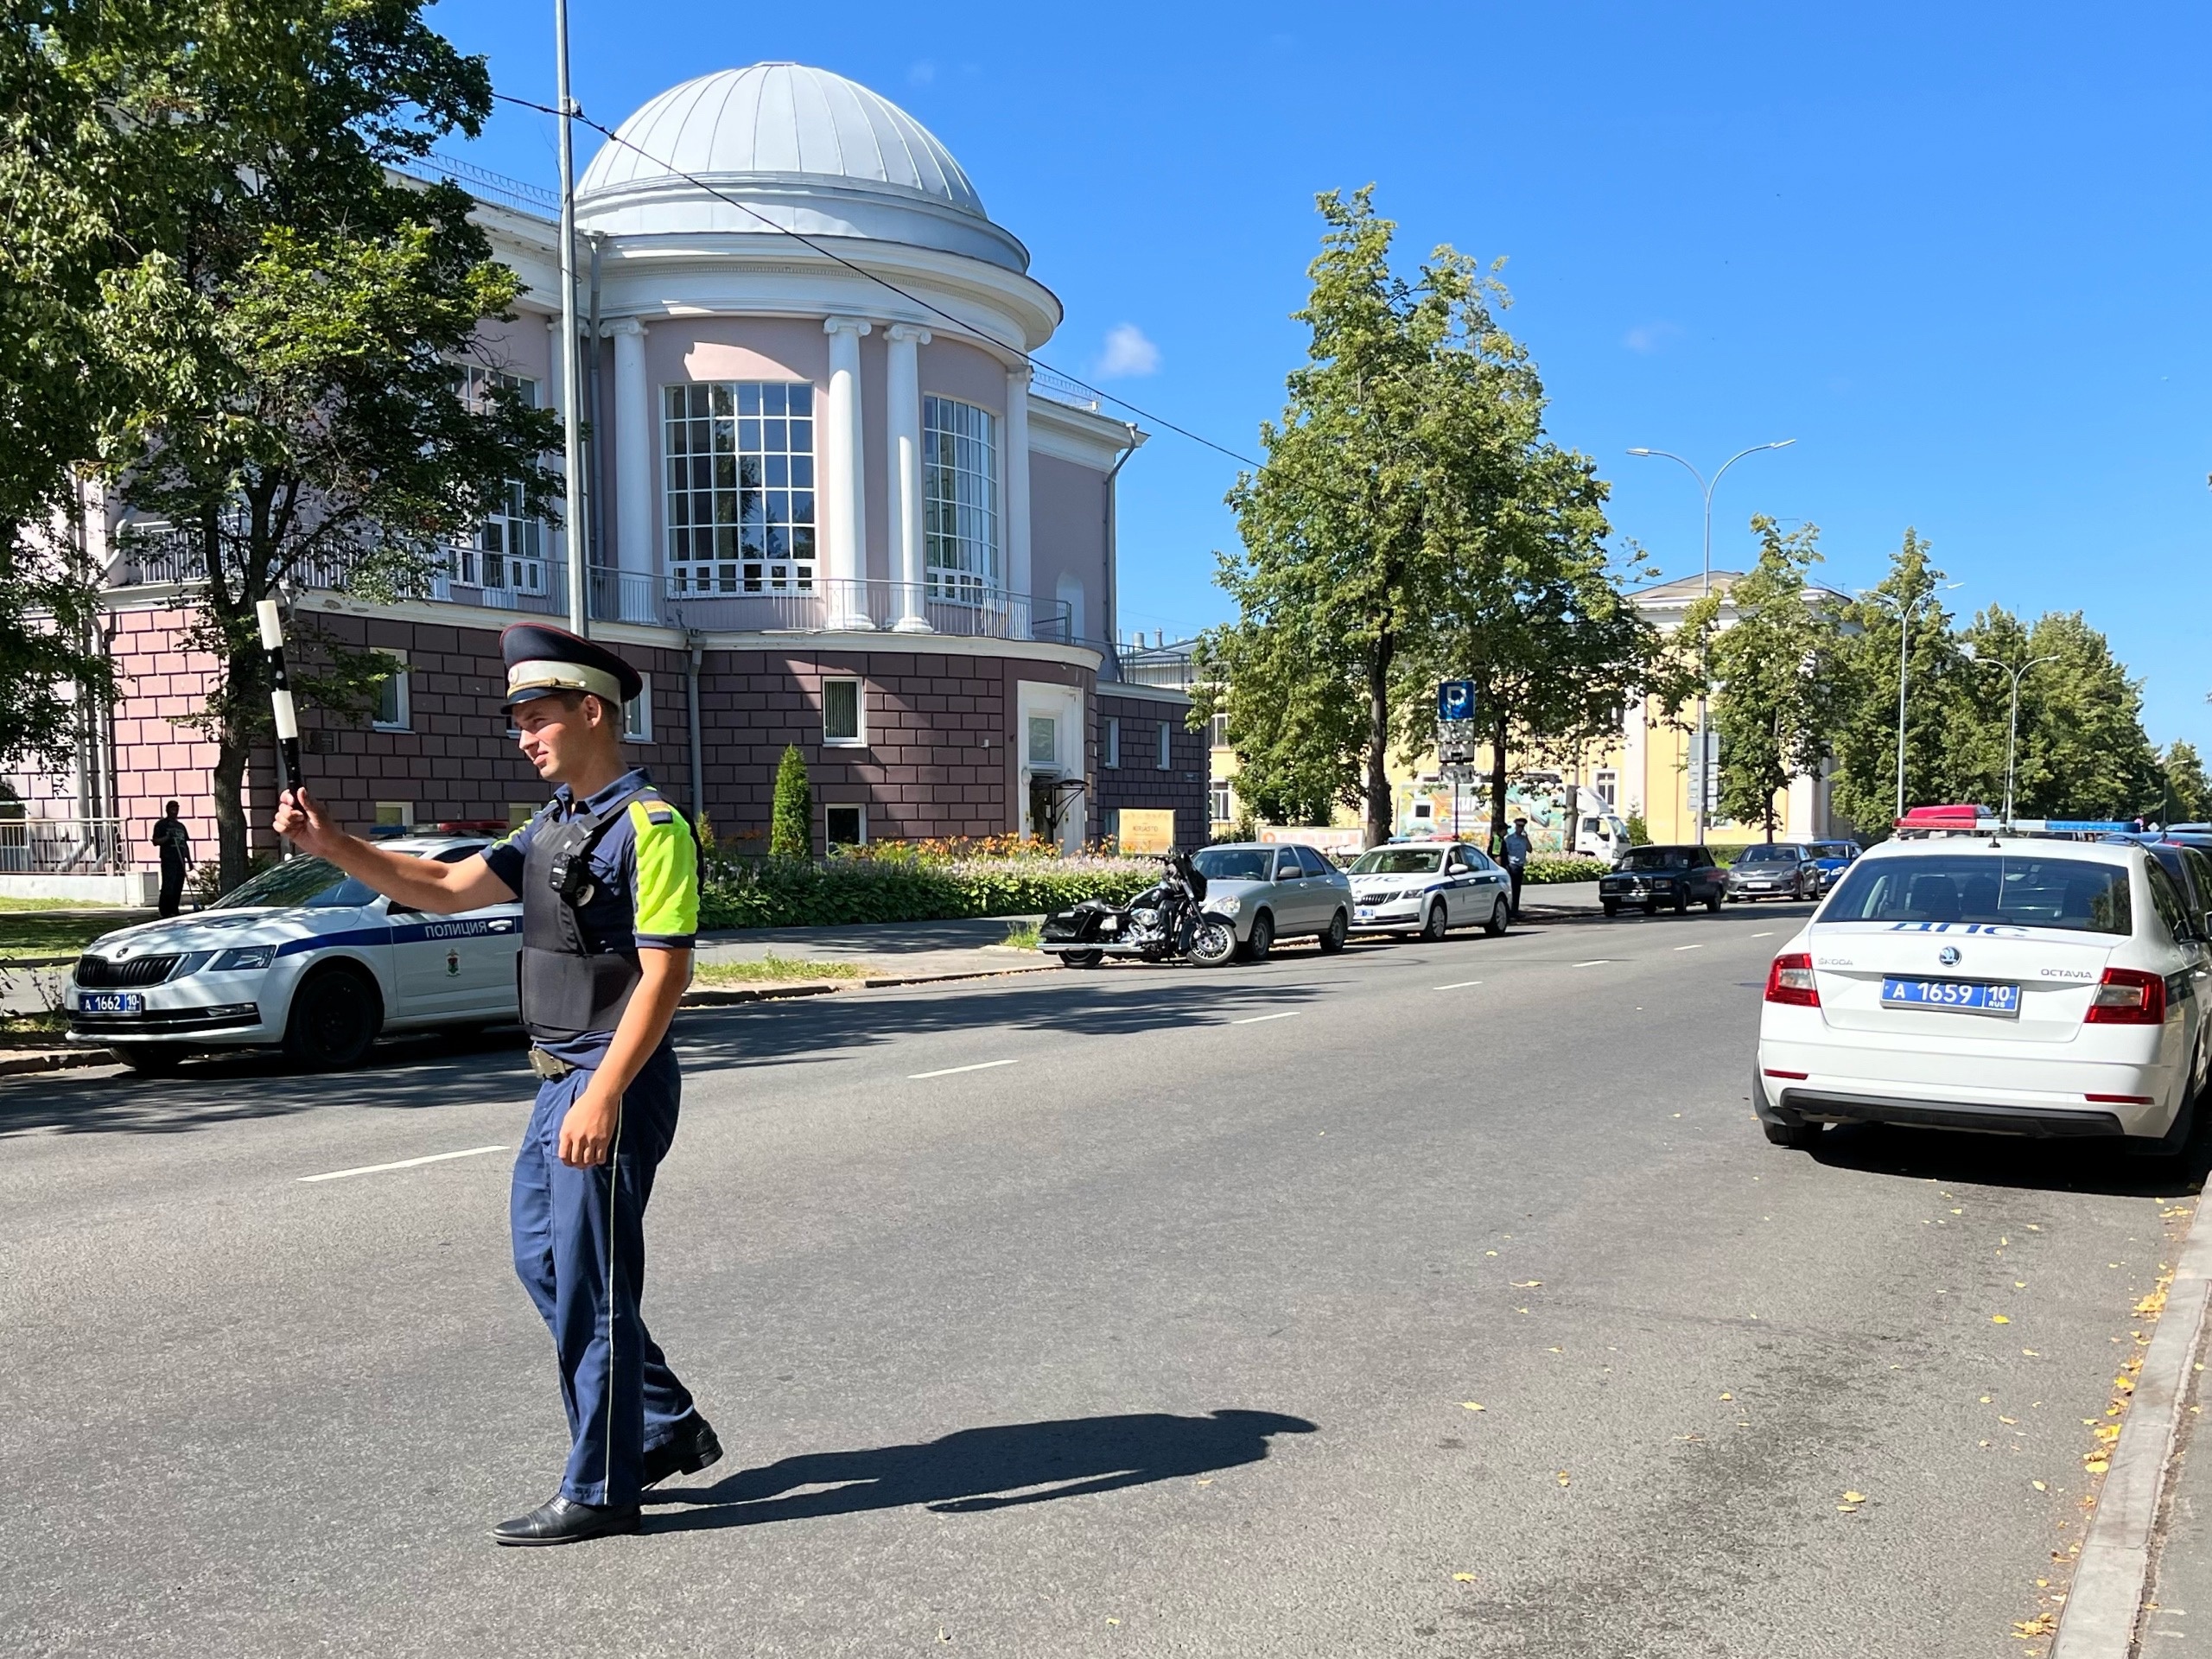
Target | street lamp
(1704,758)
(1905,609)
(2012,723)
(572,518)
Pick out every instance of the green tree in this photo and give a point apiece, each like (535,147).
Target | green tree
(2081,752)
(1778,667)
(295,327)
(2186,791)
(790,818)
(1535,613)
(62,167)
(1408,387)
(1941,742)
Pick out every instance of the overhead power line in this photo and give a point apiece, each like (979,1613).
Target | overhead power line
(881,280)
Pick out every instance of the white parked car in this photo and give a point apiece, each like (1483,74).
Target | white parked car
(1428,888)
(2005,984)
(302,956)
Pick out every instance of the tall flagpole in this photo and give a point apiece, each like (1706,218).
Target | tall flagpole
(572,514)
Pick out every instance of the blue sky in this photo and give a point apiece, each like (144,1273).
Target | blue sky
(1956,251)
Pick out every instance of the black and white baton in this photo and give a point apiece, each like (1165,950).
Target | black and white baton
(280,697)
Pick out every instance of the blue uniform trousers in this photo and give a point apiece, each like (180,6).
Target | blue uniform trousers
(580,1250)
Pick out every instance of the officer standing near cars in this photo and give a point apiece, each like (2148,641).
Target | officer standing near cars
(1517,850)
(607,873)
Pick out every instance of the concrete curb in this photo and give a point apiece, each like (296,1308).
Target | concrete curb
(2106,1599)
(52,1059)
(773,990)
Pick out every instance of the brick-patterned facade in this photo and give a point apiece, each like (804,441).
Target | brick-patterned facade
(939,755)
(1138,781)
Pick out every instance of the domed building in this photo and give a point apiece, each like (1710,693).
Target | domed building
(830,501)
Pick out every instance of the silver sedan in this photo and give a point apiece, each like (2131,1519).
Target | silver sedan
(1270,893)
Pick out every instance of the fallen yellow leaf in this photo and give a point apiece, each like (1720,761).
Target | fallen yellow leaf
(1854,1498)
(2095,1465)
(1562,1477)
(1528,1284)
(1463,1578)
(2001,1318)
(1727,1396)
(2038,1485)
(1473,1405)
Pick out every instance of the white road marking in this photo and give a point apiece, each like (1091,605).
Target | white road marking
(980,1066)
(1595,962)
(1288,1013)
(404,1163)
(1689,947)
(1458,985)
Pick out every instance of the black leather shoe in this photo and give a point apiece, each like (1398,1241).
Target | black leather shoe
(690,1449)
(564,1521)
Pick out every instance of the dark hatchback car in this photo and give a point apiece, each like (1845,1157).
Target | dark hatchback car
(1652,876)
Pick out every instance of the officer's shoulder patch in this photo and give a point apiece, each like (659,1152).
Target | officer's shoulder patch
(660,815)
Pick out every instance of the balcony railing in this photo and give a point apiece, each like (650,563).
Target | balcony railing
(539,587)
(898,606)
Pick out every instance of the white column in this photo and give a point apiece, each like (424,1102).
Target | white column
(634,415)
(1016,462)
(845,472)
(559,541)
(902,420)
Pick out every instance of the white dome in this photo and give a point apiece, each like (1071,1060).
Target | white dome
(809,150)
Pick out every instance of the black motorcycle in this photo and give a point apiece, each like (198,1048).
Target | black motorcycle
(1163,923)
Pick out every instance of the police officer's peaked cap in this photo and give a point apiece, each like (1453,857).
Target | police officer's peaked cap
(543,660)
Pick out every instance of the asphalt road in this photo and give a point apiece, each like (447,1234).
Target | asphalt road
(1158,1332)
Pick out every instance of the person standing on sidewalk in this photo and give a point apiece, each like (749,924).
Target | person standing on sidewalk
(174,842)
(608,875)
(1517,858)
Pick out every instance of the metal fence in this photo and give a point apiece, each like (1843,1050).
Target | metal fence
(62,847)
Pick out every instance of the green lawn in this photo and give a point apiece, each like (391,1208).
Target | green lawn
(33,1029)
(775,969)
(47,932)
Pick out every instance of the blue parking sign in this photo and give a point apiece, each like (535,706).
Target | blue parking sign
(1455,700)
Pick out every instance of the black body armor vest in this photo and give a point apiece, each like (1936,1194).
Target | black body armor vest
(567,988)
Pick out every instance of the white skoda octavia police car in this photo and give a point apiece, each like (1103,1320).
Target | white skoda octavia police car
(1996,981)
(301,955)
(1428,888)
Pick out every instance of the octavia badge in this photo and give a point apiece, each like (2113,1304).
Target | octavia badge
(1949,955)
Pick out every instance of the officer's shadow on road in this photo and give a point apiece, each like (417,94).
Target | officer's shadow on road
(978,1469)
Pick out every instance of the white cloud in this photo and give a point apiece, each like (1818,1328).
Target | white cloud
(1649,337)
(921,72)
(1128,352)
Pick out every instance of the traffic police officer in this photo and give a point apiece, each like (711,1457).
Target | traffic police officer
(607,873)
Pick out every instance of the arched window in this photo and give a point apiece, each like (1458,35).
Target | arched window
(960,500)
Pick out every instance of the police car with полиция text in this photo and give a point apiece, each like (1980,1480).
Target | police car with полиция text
(303,956)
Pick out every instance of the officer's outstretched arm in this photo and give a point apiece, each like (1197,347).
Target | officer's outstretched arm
(422,883)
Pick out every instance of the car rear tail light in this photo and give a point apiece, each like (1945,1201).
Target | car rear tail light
(1789,1077)
(1790,980)
(2128,997)
(2121,1100)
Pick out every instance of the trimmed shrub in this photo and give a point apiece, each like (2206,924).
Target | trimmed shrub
(790,820)
(805,893)
(1563,869)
